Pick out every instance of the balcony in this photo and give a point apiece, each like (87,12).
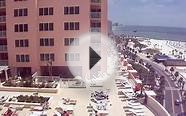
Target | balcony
(95,29)
(3,48)
(95,1)
(95,15)
(2,34)
(2,3)
(3,62)
(2,18)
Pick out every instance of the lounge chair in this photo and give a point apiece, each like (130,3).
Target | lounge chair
(134,104)
(38,113)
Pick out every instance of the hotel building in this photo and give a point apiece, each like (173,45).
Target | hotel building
(36,34)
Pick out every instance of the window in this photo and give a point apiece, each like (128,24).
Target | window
(95,23)
(46,27)
(77,10)
(66,26)
(21,28)
(4,56)
(51,26)
(71,26)
(71,41)
(76,25)
(20,12)
(46,41)
(18,58)
(65,10)
(25,26)
(47,56)
(16,12)
(22,58)
(72,57)
(46,11)
(71,10)
(21,43)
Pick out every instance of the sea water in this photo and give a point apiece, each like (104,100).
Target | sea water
(155,32)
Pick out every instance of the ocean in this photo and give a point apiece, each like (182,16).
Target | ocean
(153,32)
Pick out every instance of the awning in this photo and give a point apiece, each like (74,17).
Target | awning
(2,68)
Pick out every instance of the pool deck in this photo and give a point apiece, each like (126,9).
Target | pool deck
(82,95)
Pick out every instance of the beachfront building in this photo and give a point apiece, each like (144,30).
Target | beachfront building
(3,40)
(110,27)
(38,33)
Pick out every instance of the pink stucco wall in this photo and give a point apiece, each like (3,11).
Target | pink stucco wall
(33,19)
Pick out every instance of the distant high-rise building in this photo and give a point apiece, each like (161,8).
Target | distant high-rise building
(109,27)
(36,34)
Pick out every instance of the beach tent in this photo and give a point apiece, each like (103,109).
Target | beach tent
(160,57)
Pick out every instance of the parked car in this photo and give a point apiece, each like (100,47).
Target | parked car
(177,102)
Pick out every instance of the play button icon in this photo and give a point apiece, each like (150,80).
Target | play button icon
(93,57)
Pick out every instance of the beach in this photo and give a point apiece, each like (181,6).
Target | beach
(167,47)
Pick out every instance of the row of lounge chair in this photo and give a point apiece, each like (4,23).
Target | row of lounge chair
(127,95)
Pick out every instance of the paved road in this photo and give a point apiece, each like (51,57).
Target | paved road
(171,93)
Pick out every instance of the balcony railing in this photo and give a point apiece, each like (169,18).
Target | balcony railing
(2,18)
(3,62)
(95,29)
(2,4)
(3,47)
(95,15)
(95,1)
(2,33)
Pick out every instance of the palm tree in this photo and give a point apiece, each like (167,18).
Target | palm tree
(180,80)
(172,70)
(176,74)
(162,83)
(141,61)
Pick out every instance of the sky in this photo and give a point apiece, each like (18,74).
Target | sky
(171,13)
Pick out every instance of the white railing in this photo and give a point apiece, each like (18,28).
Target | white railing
(95,15)
(3,62)
(95,29)
(95,1)
(3,47)
(2,4)
(2,33)
(156,107)
(57,78)
(2,18)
